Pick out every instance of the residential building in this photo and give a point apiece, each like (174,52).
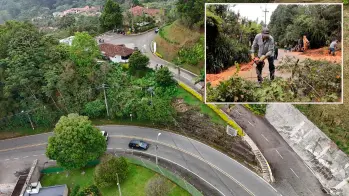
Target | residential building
(116,53)
(87,10)
(67,41)
(35,189)
(139,11)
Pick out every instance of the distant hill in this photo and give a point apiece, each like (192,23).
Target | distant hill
(27,9)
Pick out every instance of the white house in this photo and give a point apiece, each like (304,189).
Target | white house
(116,53)
(68,40)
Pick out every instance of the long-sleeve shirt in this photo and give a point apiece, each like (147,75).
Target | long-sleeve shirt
(333,44)
(265,47)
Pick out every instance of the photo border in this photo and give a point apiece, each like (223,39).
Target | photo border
(299,103)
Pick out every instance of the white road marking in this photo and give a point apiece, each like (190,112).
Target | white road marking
(7,159)
(250,123)
(15,158)
(310,191)
(265,138)
(238,112)
(42,154)
(25,157)
(294,172)
(110,148)
(35,155)
(279,154)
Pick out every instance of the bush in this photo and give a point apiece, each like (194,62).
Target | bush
(163,77)
(95,109)
(90,191)
(138,61)
(191,55)
(157,186)
(106,173)
(258,109)
(75,190)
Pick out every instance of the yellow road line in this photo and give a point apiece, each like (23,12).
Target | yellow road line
(154,141)
(21,147)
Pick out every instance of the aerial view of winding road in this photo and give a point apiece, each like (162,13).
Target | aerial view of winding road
(218,170)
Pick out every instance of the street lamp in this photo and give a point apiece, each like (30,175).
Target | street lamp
(156,149)
(117,176)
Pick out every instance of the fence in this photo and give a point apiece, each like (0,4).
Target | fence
(174,178)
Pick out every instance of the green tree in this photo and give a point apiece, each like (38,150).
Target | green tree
(138,61)
(106,172)
(158,110)
(75,142)
(84,50)
(111,16)
(163,77)
(66,21)
(95,109)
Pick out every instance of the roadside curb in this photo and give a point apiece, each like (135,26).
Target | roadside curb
(262,161)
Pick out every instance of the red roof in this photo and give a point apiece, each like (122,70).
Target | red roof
(138,11)
(112,50)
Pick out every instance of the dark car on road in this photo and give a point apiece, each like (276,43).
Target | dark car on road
(156,30)
(138,144)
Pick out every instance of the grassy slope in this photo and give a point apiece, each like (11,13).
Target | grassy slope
(333,119)
(185,37)
(134,185)
(193,101)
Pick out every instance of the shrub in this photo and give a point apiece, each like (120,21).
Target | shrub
(258,109)
(95,109)
(138,61)
(75,190)
(106,172)
(157,186)
(90,191)
(163,77)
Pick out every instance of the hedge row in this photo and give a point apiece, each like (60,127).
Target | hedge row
(215,109)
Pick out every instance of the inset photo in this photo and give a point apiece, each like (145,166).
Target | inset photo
(274,53)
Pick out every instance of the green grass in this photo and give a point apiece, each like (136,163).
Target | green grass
(134,185)
(193,101)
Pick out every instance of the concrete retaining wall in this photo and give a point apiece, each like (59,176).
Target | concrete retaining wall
(329,164)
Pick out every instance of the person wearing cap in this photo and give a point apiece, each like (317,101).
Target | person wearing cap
(264,42)
(333,46)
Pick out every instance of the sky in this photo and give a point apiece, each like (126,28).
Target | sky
(255,10)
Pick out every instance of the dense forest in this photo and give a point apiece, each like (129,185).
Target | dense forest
(229,38)
(320,23)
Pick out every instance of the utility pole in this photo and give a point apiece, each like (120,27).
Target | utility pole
(105,99)
(117,176)
(265,16)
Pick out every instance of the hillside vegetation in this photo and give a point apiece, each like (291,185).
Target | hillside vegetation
(176,40)
(333,119)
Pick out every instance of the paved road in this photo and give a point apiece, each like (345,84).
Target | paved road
(143,42)
(224,173)
(292,176)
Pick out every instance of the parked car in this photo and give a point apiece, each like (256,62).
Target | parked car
(138,144)
(156,30)
(105,134)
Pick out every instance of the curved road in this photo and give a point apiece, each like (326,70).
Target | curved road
(143,42)
(219,170)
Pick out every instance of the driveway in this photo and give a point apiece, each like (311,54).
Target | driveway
(143,42)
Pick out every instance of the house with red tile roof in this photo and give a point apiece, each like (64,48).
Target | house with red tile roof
(139,11)
(87,10)
(116,53)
